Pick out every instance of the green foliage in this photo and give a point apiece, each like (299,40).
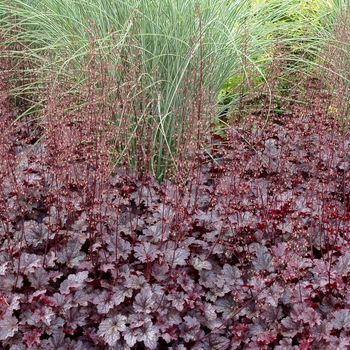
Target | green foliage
(303,30)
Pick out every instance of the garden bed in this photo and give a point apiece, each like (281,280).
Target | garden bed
(252,253)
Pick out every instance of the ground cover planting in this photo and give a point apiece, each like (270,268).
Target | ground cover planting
(140,211)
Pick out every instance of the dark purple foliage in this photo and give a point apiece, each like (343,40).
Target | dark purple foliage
(262,262)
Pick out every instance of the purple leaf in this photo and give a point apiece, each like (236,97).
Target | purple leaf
(105,301)
(39,279)
(341,319)
(185,282)
(343,265)
(272,294)
(35,233)
(74,281)
(10,302)
(160,272)
(280,250)
(32,337)
(170,316)
(119,246)
(76,316)
(215,342)
(209,311)
(80,225)
(190,328)
(120,293)
(340,343)
(177,257)
(36,294)
(3,268)
(8,327)
(266,337)
(78,298)
(157,232)
(80,277)
(9,280)
(58,300)
(136,282)
(146,251)
(213,281)
(200,264)
(110,329)
(263,260)
(71,253)
(144,301)
(227,306)
(305,314)
(28,263)
(58,341)
(231,275)
(136,320)
(271,313)
(290,328)
(177,299)
(323,330)
(130,336)
(148,333)
(41,316)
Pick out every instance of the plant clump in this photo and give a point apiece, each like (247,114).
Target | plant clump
(243,245)
(251,253)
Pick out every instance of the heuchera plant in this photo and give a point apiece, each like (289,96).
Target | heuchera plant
(253,253)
